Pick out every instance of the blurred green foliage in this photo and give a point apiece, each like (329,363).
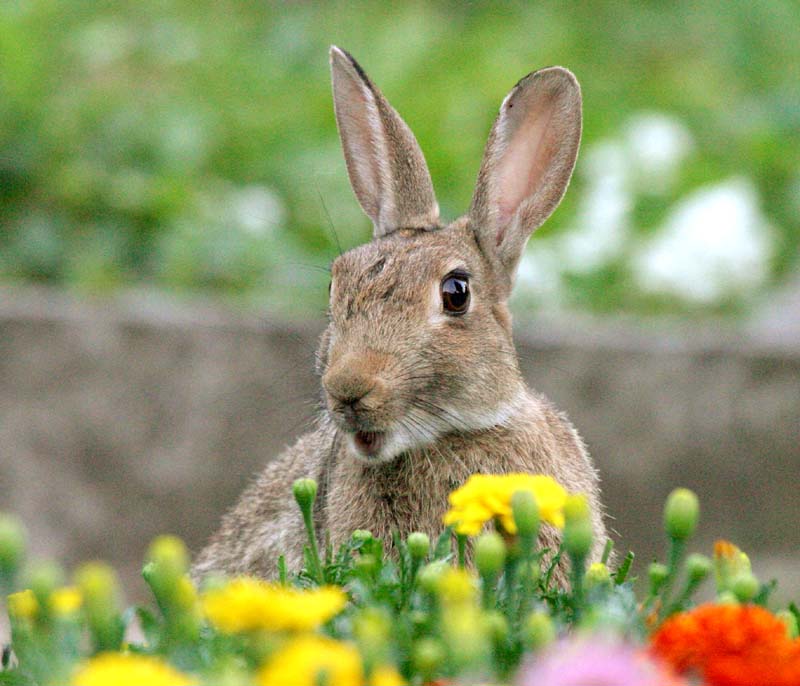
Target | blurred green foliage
(191,145)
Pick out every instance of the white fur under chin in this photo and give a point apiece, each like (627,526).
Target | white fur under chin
(426,429)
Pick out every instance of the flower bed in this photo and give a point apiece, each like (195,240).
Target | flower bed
(419,614)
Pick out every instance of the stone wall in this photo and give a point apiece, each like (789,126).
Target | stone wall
(125,418)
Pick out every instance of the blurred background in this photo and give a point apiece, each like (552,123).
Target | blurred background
(172,189)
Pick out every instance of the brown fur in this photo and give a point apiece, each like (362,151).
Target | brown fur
(445,391)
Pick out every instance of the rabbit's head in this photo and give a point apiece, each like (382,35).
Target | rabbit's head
(419,341)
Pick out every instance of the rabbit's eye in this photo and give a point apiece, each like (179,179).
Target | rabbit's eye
(455,293)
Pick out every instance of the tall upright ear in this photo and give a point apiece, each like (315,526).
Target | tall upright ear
(526,167)
(386,166)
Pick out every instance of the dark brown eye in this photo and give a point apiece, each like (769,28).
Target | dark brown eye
(455,293)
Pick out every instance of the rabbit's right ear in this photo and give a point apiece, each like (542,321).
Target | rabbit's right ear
(526,167)
(386,166)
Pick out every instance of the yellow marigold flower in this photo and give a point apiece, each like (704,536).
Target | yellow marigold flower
(488,496)
(385,675)
(119,669)
(303,661)
(246,604)
(23,605)
(66,601)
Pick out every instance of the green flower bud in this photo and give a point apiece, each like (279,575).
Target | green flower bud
(597,575)
(43,578)
(657,573)
(170,559)
(496,625)
(427,656)
(305,492)
(372,629)
(429,576)
(367,564)
(789,619)
(12,545)
(361,536)
(98,584)
(745,587)
(490,554)
(576,507)
(681,514)
(418,618)
(526,513)
(727,598)
(539,630)
(22,605)
(418,545)
(698,567)
(729,563)
(578,526)
(578,538)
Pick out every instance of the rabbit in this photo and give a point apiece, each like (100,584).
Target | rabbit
(421,385)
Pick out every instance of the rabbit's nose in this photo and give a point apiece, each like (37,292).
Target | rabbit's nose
(345,388)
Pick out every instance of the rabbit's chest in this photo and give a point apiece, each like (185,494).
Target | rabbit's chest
(408,496)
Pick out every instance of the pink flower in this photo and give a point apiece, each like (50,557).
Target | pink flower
(595,661)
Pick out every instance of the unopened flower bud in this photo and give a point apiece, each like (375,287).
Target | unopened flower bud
(790,620)
(372,629)
(490,554)
(427,656)
(578,526)
(65,602)
(23,605)
(539,630)
(97,583)
(367,564)
(729,563)
(597,575)
(361,536)
(681,514)
(43,579)
(727,598)
(12,544)
(418,618)
(526,513)
(170,556)
(657,573)
(745,587)
(698,567)
(418,545)
(456,585)
(496,625)
(429,575)
(305,492)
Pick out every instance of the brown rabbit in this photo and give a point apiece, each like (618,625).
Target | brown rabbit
(420,378)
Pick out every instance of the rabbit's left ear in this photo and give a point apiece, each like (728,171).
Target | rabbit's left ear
(386,166)
(526,167)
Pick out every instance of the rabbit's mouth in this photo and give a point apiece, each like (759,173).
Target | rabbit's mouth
(368,443)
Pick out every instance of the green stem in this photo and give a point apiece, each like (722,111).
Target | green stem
(462,550)
(318,572)
(677,547)
(577,572)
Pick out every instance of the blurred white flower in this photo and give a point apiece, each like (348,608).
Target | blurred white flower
(602,219)
(656,145)
(716,242)
(539,273)
(256,209)
(103,42)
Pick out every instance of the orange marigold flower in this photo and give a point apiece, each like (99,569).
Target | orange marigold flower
(730,645)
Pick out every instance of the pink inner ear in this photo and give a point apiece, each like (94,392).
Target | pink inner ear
(529,151)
